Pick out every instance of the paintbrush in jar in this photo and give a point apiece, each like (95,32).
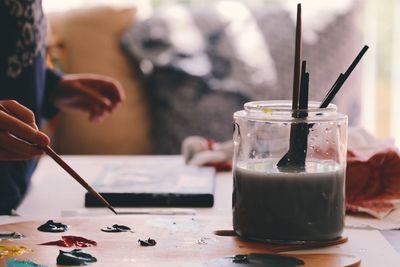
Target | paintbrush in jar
(294,159)
(287,160)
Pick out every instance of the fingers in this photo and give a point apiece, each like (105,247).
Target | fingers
(95,94)
(109,87)
(112,89)
(106,86)
(101,89)
(12,148)
(96,99)
(20,112)
(97,115)
(17,128)
(22,130)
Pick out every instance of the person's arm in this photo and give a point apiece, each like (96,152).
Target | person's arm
(53,77)
(18,133)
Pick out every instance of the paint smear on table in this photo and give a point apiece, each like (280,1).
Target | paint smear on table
(175,224)
(12,251)
(17,263)
(10,235)
(72,241)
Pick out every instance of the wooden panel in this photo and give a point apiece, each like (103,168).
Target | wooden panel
(181,241)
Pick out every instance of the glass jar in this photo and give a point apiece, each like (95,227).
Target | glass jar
(297,202)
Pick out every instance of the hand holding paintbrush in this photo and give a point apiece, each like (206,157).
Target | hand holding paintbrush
(23,141)
(18,124)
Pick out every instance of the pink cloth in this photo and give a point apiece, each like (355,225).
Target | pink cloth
(373,182)
(200,151)
(373,174)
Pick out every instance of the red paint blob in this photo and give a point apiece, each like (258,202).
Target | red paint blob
(70,241)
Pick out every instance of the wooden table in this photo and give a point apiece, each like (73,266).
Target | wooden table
(44,202)
(49,176)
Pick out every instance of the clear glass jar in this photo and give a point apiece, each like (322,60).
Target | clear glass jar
(288,205)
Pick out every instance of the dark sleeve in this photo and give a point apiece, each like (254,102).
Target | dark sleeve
(52,78)
(14,182)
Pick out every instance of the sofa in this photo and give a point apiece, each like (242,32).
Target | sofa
(86,41)
(183,74)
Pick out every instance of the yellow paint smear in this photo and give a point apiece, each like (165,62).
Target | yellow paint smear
(11,251)
(266,110)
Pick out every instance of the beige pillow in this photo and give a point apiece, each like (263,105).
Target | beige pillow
(89,41)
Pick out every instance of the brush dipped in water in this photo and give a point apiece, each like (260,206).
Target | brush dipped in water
(342,78)
(285,161)
(295,158)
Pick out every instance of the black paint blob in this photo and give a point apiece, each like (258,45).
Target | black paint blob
(53,227)
(75,257)
(116,228)
(147,243)
(256,260)
(240,258)
(259,259)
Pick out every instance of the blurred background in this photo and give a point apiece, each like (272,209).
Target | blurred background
(333,33)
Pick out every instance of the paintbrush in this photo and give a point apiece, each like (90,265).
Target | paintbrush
(284,161)
(76,176)
(69,170)
(295,158)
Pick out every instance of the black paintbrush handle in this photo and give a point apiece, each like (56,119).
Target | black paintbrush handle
(296,156)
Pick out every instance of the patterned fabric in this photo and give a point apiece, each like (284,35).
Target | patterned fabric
(30,34)
(202,65)
(24,78)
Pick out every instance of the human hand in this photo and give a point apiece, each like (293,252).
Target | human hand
(95,94)
(19,134)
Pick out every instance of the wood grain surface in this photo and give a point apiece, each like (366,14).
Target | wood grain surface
(181,241)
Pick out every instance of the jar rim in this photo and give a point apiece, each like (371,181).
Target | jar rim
(266,106)
(281,111)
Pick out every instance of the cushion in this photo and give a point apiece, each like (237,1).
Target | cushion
(201,65)
(86,41)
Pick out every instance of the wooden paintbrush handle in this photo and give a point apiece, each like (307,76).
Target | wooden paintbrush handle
(76,176)
(69,170)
